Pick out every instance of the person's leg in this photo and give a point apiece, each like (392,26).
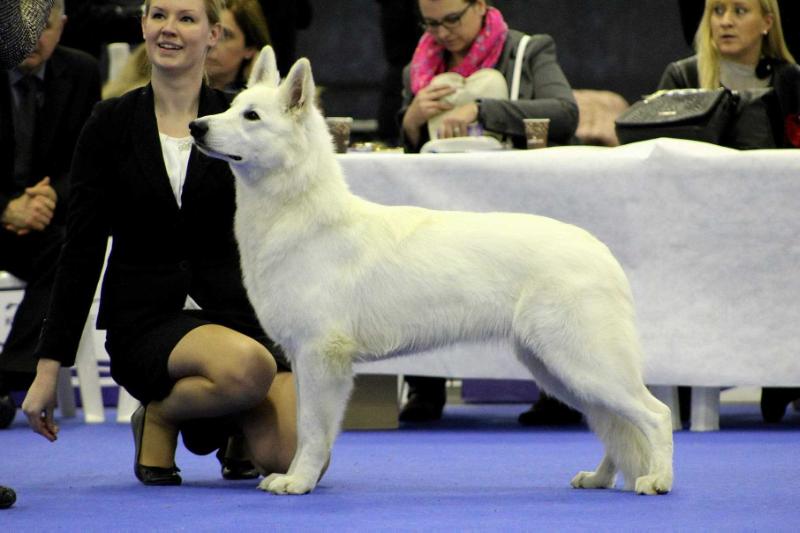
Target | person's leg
(33,259)
(270,428)
(426,399)
(218,372)
(548,411)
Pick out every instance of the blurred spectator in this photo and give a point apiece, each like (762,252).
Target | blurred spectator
(467,36)
(741,45)
(44,102)
(21,23)
(134,73)
(244,34)
(692,12)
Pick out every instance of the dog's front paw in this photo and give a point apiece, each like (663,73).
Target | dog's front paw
(285,484)
(653,484)
(592,480)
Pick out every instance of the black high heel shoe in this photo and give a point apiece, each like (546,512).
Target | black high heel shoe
(234,464)
(149,475)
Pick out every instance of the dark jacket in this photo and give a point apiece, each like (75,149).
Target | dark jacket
(160,253)
(544,92)
(71,88)
(780,103)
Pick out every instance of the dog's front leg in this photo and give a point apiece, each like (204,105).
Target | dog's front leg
(322,393)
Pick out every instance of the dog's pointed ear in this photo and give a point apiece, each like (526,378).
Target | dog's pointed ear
(265,69)
(298,87)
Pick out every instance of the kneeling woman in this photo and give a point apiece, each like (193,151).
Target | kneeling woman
(181,333)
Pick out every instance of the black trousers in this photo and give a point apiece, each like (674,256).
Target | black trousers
(33,259)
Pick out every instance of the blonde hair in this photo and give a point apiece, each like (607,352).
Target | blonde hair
(708,57)
(213,9)
(135,73)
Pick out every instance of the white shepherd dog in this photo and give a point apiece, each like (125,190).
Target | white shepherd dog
(336,279)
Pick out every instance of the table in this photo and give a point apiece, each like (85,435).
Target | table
(707,235)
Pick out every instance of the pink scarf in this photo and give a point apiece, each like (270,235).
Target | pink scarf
(428,60)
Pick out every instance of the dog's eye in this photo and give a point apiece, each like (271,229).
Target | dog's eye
(251,115)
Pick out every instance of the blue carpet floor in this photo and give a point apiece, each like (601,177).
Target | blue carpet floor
(477,470)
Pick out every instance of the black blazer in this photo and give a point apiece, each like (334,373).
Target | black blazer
(160,253)
(71,88)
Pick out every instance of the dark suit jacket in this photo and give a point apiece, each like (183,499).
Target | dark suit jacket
(71,87)
(160,253)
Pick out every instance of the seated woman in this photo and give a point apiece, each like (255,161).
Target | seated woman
(244,33)
(740,45)
(465,36)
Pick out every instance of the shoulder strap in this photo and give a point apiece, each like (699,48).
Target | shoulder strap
(523,43)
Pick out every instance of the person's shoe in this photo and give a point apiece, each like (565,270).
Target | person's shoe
(7,497)
(422,407)
(149,475)
(774,402)
(8,410)
(234,468)
(548,411)
(233,459)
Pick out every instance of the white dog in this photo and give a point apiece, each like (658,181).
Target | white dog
(336,279)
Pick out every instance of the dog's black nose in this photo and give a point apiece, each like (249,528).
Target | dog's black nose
(198,129)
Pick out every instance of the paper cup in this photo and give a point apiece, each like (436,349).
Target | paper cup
(340,130)
(536,132)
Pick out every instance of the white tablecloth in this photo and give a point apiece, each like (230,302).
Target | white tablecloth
(707,235)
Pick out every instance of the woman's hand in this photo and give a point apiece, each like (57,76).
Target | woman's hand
(455,122)
(426,104)
(41,399)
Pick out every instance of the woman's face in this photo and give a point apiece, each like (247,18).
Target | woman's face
(737,28)
(178,33)
(453,23)
(224,60)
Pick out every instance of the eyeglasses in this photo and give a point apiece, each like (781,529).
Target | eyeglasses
(448,21)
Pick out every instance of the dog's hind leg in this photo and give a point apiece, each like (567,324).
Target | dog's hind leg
(324,382)
(605,475)
(589,356)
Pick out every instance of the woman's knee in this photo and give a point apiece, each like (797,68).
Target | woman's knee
(249,372)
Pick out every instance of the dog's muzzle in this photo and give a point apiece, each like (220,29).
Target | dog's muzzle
(198,130)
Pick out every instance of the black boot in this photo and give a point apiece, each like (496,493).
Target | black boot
(547,411)
(7,497)
(774,402)
(8,410)
(426,399)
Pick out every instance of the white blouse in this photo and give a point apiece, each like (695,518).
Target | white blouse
(176,153)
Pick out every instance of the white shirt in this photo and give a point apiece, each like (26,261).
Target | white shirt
(176,153)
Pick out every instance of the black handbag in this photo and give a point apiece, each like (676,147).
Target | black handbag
(694,114)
